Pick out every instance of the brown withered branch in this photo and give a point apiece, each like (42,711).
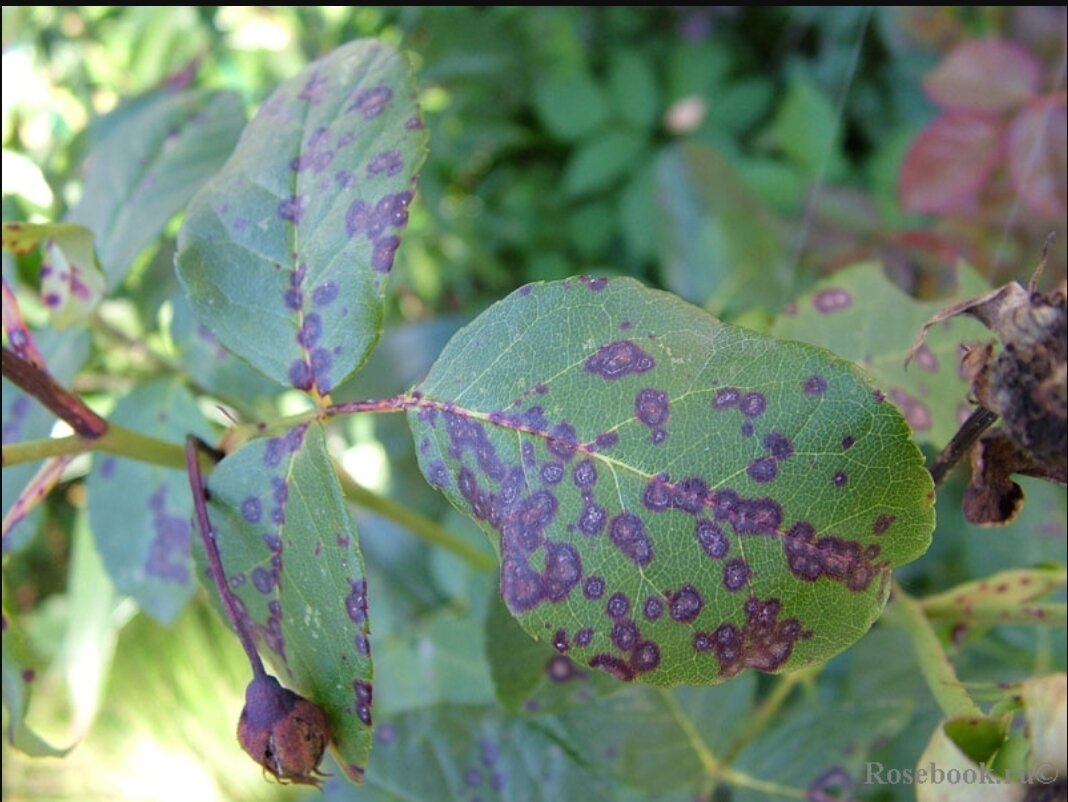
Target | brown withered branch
(1023,383)
(37,382)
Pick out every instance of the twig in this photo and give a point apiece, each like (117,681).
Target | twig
(969,432)
(193,446)
(40,384)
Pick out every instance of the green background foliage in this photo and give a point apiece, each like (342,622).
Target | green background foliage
(739,158)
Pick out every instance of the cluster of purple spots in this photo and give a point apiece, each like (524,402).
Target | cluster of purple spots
(765,469)
(356,602)
(809,557)
(388,162)
(748,516)
(272,632)
(488,757)
(627,533)
(314,369)
(593,516)
(364,693)
(373,222)
(316,154)
(644,655)
(763,643)
(752,405)
(618,359)
(689,495)
(832,300)
(653,409)
(595,284)
(168,553)
(561,669)
(915,411)
(370,102)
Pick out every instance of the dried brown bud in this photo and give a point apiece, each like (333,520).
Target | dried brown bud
(283,732)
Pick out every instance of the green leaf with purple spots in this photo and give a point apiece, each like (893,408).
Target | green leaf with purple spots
(289,548)
(139,513)
(72,283)
(146,160)
(672,499)
(860,315)
(286,253)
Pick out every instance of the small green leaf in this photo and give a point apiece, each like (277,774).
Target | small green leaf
(805,129)
(147,165)
(72,283)
(720,246)
(286,252)
(290,553)
(570,105)
(860,315)
(139,512)
(596,164)
(673,499)
(635,94)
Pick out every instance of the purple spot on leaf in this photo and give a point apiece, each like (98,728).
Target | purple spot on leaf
(735,574)
(385,248)
(684,605)
(310,330)
(725,398)
(815,385)
(618,359)
(882,523)
(371,102)
(763,470)
(646,656)
(325,293)
(624,635)
(618,606)
(653,608)
(753,405)
(388,162)
(251,509)
(292,208)
(711,539)
(627,533)
(832,300)
(592,520)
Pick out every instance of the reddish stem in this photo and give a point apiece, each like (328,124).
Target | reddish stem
(194,445)
(40,384)
(398,403)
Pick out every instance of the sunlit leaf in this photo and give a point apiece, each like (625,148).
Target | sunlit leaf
(859,314)
(289,549)
(72,283)
(988,75)
(285,254)
(949,162)
(148,164)
(673,499)
(139,513)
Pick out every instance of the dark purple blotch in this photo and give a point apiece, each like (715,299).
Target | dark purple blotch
(735,574)
(841,479)
(371,102)
(310,330)
(653,608)
(552,473)
(620,669)
(585,476)
(627,533)
(592,519)
(779,445)
(251,509)
(584,637)
(521,585)
(752,405)
(652,408)
(657,495)
(684,604)
(618,359)
(646,656)
(385,248)
(832,300)
(364,694)
(882,523)
(563,569)
(763,470)
(300,375)
(325,294)
(815,385)
(725,398)
(624,635)
(690,494)
(618,606)
(711,538)
(292,208)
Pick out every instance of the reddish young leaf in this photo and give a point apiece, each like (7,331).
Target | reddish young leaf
(1037,154)
(988,75)
(949,162)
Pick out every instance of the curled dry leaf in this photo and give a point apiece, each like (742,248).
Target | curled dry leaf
(1023,382)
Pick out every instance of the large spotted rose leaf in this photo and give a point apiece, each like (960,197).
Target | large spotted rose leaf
(286,252)
(673,499)
(290,553)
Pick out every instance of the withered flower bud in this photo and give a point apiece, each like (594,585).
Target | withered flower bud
(282,731)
